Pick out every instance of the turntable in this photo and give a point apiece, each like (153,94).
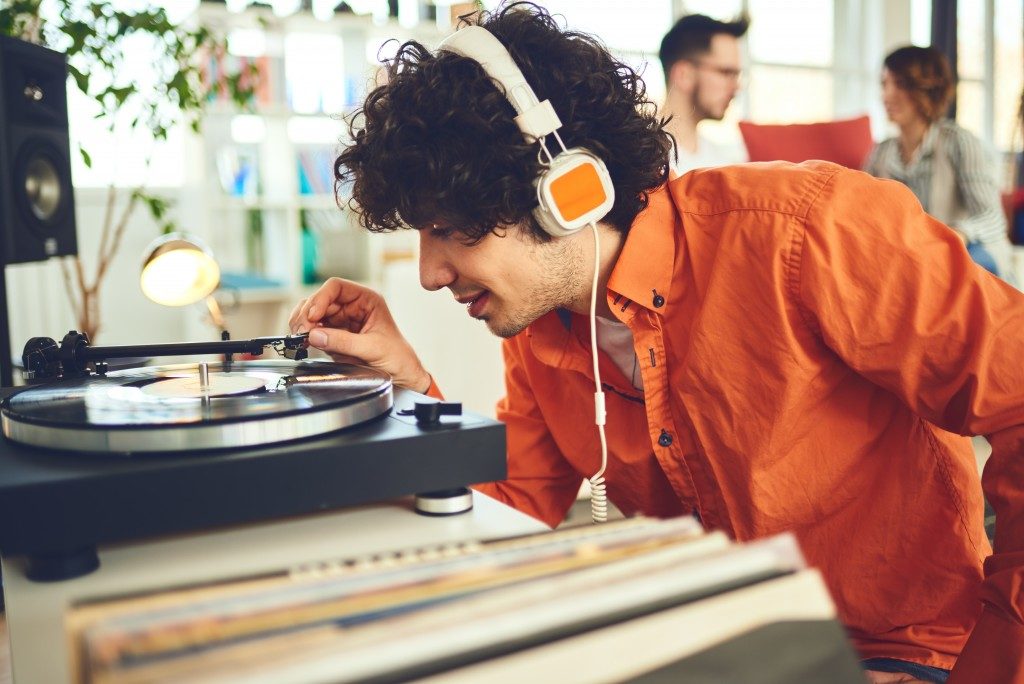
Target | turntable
(93,455)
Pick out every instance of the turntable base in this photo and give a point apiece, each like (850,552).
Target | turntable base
(57,502)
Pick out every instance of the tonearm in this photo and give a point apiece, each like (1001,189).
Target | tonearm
(46,359)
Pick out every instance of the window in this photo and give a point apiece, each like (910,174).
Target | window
(807,60)
(632,33)
(120,157)
(971,44)
(791,61)
(991,68)
(312,88)
(1008,71)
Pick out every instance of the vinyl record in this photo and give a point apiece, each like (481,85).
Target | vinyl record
(190,407)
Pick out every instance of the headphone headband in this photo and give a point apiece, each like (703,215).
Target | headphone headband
(535,119)
(575,189)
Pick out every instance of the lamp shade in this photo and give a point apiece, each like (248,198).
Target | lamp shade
(178,269)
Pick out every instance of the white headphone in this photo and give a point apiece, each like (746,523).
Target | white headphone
(575,189)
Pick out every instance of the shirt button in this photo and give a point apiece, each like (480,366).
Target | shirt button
(659,301)
(665,439)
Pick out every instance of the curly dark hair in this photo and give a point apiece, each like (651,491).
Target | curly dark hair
(437,143)
(925,74)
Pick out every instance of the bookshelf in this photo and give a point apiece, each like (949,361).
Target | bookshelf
(260,183)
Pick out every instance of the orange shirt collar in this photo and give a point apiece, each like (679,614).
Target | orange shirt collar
(644,268)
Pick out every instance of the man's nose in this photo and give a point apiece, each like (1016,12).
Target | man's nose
(435,270)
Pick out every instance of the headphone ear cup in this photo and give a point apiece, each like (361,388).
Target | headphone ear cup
(550,225)
(547,220)
(574,191)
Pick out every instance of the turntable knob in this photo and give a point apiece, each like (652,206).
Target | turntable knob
(429,413)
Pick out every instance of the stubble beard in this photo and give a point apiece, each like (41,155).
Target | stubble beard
(561,276)
(702,112)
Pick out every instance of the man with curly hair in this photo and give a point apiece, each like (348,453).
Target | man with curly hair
(783,347)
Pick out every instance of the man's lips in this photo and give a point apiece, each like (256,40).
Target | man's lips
(469,299)
(475,302)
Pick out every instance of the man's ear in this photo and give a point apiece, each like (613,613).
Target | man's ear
(682,76)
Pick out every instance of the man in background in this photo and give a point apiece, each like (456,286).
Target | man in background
(701,60)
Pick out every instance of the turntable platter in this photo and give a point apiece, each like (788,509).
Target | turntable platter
(185,407)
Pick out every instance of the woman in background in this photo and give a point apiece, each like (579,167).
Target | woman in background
(942,163)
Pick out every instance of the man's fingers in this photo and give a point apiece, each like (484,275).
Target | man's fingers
(308,306)
(331,298)
(352,360)
(339,342)
(295,317)
(314,306)
(337,303)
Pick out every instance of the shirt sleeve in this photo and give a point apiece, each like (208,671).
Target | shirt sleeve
(434,391)
(540,481)
(985,221)
(897,297)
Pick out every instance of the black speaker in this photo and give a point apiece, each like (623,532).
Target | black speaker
(37,203)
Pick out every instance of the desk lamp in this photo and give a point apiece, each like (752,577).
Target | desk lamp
(178,269)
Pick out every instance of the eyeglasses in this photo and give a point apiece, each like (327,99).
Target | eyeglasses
(730,73)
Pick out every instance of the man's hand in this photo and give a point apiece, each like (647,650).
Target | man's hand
(352,324)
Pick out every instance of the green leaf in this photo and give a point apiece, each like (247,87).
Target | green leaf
(85,157)
(81,79)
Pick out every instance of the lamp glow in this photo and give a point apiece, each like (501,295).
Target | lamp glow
(178,270)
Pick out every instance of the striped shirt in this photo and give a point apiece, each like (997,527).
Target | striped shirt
(985,221)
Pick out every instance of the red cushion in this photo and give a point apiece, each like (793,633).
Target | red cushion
(847,142)
(1013,200)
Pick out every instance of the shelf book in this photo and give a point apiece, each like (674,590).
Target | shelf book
(420,612)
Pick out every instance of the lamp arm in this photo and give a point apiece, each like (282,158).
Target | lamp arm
(215,313)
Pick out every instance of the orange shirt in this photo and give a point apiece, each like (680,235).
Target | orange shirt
(812,346)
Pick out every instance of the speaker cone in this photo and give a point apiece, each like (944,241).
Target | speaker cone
(42,187)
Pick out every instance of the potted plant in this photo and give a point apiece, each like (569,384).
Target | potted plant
(93,34)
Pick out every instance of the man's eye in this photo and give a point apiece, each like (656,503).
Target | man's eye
(453,234)
(441,233)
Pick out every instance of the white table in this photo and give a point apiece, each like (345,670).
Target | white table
(35,611)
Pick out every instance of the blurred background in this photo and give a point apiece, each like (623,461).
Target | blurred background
(253,177)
